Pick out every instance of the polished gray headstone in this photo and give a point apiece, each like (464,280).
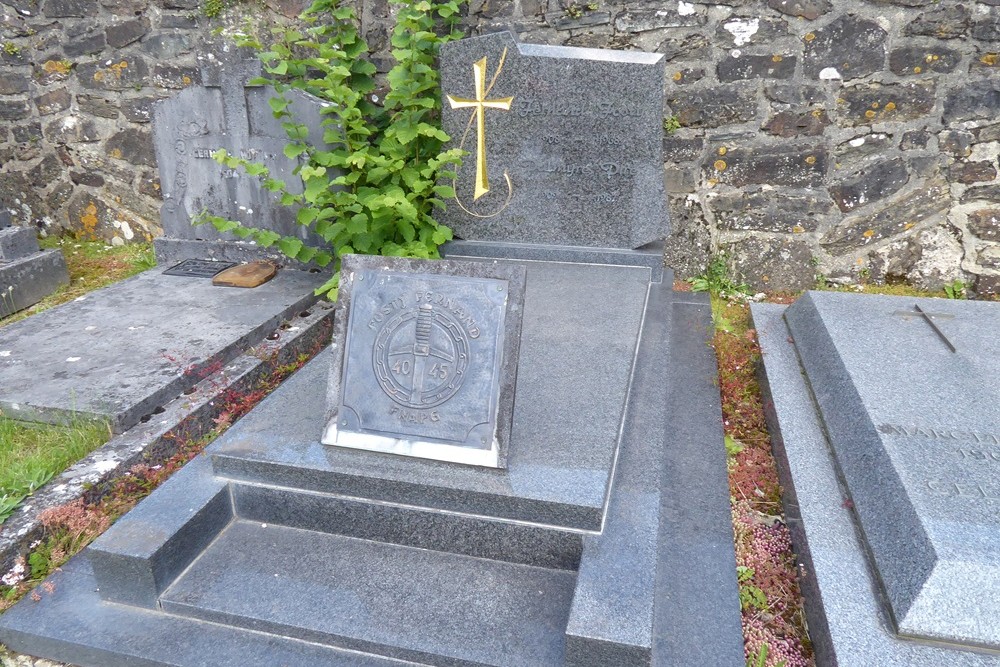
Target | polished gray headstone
(425,358)
(572,143)
(841,535)
(226,111)
(118,353)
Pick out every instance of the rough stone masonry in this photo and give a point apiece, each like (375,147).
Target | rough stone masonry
(855,141)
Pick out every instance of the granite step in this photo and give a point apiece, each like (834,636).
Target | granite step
(397,601)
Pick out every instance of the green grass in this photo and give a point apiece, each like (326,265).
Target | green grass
(32,454)
(91,265)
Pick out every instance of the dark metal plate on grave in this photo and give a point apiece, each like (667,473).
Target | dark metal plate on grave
(426,359)
(197,268)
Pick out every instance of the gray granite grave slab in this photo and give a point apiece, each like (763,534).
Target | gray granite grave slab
(118,353)
(26,280)
(17,242)
(564,144)
(426,358)
(566,419)
(227,112)
(849,621)
(399,575)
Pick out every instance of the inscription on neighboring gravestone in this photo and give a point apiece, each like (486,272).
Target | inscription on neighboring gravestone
(914,429)
(564,144)
(429,357)
(226,112)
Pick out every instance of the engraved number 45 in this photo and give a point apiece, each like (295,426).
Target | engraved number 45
(439,371)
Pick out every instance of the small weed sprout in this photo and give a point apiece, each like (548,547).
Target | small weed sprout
(956,290)
(671,124)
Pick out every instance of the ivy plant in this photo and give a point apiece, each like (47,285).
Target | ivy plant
(374,187)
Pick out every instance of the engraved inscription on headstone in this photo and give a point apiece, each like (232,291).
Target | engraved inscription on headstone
(227,112)
(197,268)
(428,361)
(564,144)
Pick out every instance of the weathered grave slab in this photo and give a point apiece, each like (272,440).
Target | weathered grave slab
(428,358)
(226,112)
(27,274)
(913,554)
(565,144)
(120,352)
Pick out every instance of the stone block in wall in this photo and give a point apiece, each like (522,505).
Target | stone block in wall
(913,59)
(987,27)
(120,73)
(948,22)
(688,246)
(893,261)
(25,201)
(88,178)
(166,47)
(126,7)
(14,109)
(655,18)
(13,83)
(72,129)
(52,70)
(928,204)
(52,102)
(714,106)
(987,133)
(904,3)
(957,143)
(989,257)
(772,263)
(46,171)
(170,76)
(861,147)
(687,75)
(97,106)
(771,210)
(58,9)
(794,93)
(739,66)
(739,31)
(871,184)
(807,123)
(914,139)
(972,172)
(97,216)
(692,47)
(560,20)
(139,109)
(88,40)
(868,103)
(982,193)
(988,285)
(985,224)
(124,33)
(940,261)
(679,149)
(848,48)
(806,9)
(976,99)
(792,166)
(132,145)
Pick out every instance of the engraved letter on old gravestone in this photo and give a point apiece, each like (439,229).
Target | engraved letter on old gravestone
(227,112)
(428,360)
(564,145)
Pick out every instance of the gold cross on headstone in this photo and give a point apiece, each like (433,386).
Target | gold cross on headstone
(480,104)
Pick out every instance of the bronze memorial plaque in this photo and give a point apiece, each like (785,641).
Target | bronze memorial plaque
(429,358)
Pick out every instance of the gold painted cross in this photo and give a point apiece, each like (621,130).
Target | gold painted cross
(480,104)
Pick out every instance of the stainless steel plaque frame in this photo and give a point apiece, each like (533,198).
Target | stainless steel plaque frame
(429,358)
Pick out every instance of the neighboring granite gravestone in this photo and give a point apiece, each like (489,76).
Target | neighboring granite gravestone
(565,144)
(906,391)
(227,112)
(426,358)
(27,274)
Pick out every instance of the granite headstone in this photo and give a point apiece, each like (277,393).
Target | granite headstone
(564,144)
(908,391)
(227,112)
(428,358)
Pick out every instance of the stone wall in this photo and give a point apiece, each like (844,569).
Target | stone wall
(857,141)
(77,81)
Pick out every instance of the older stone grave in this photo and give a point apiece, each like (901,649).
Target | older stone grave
(27,274)
(889,444)
(565,144)
(117,354)
(226,112)
(512,457)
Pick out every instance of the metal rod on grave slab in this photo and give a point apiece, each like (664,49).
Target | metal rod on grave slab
(935,327)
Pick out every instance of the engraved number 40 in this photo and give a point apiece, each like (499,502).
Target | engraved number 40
(401,367)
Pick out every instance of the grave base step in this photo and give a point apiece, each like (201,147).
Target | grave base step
(402,602)
(27,280)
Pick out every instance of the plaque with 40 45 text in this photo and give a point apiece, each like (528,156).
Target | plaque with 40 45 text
(428,361)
